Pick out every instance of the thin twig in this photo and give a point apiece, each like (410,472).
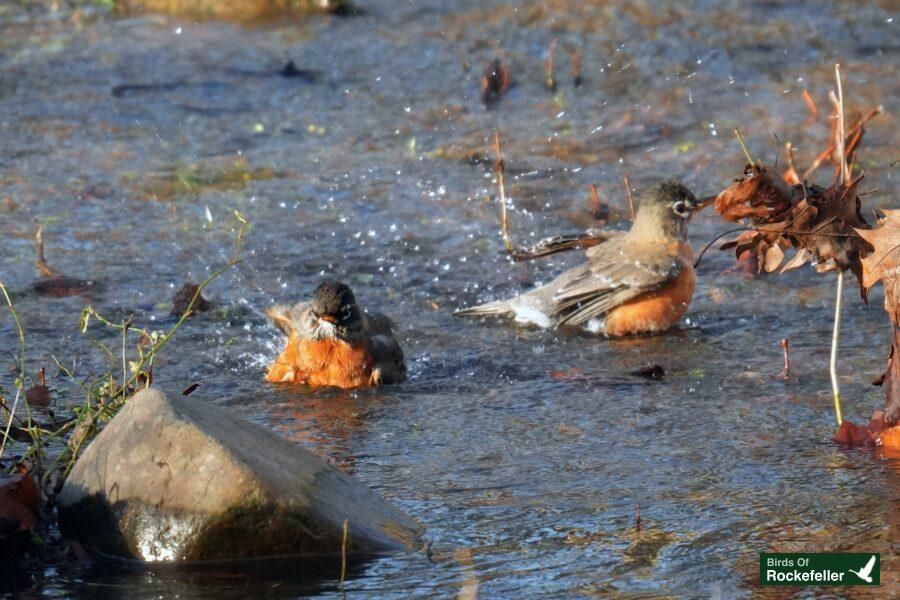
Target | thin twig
(716,239)
(595,199)
(344,544)
(240,236)
(575,59)
(845,175)
(786,371)
(39,247)
(637,518)
(550,82)
(628,192)
(500,167)
(811,104)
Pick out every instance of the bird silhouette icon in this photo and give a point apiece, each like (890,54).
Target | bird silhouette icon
(866,572)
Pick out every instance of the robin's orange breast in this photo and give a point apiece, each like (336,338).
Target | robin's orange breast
(323,362)
(654,311)
(657,310)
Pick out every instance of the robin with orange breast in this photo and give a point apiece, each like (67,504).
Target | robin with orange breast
(639,281)
(331,341)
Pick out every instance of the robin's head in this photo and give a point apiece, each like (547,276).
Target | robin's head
(665,211)
(335,312)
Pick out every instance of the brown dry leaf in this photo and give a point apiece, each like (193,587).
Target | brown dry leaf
(885,258)
(182,301)
(759,194)
(851,434)
(19,499)
(832,238)
(878,432)
(802,257)
(38,395)
(61,286)
(883,264)
(774,256)
(820,223)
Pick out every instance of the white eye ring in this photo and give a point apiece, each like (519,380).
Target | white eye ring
(681,209)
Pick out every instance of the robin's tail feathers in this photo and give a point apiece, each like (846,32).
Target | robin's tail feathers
(500,307)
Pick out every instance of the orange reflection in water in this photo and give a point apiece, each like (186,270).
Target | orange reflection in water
(327,422)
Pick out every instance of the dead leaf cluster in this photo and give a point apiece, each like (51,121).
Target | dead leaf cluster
(820,224)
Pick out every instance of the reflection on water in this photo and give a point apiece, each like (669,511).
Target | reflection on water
(524,452)
(327,423)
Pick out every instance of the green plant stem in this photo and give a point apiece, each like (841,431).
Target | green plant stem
(740,140)
(835,336)
(20,383)
(21,332)
(168,336)
(12,415)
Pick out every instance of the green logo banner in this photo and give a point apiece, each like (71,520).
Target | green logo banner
(819,568)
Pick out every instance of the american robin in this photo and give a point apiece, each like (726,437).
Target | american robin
(331,341)
(639,281)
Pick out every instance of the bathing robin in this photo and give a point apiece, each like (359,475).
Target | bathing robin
(331,341)
(640,281)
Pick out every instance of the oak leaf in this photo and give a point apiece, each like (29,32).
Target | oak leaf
(883,261)
(819,223)
(759,194)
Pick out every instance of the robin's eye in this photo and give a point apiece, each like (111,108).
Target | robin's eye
(681,209)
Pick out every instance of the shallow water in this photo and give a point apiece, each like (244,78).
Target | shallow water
(524,452)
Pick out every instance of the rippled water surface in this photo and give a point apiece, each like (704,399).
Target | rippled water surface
(525,453)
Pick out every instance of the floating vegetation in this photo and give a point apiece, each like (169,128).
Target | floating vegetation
(237,10)
(189,301)
(200,178)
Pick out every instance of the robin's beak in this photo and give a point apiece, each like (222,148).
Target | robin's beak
(704,202)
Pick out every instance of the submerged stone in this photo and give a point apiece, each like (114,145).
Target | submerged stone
(181,479)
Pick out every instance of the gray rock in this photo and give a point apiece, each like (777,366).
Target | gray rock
(181,479)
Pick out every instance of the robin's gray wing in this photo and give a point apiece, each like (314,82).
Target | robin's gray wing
(389,366)
(379,323)
(611,277)
(600,249)
(288,319)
